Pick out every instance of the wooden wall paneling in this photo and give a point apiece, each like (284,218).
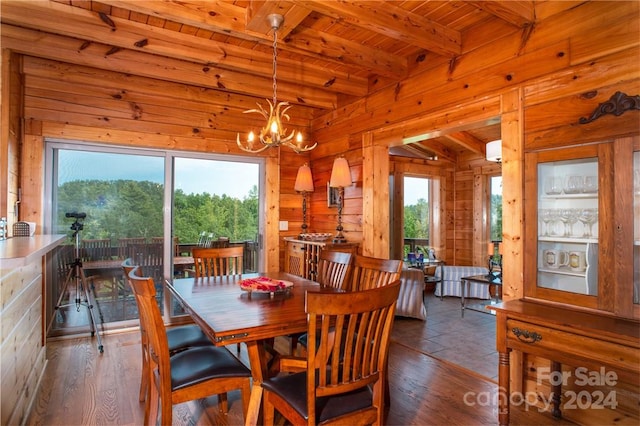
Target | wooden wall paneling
(594,29)
(5,126)
(375,198)
(271,238)
(583,77)
(481,224)
(573,107)
(513,172)
(396,218)
(22,353)
(10,134)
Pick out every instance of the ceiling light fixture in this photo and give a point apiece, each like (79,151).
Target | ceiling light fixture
(273,134)
(494,151)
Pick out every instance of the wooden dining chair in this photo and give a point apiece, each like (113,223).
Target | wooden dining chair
(192,374)
(370,272)
(334,269)
(217,262)
(343,378)
(178,338)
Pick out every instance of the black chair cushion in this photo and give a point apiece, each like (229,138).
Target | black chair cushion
(196,365)
(186,336)
(293,388)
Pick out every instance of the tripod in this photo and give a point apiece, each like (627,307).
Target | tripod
(76,275)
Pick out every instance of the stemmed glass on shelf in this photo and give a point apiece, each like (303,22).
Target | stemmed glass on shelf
(588,217)
(569,217)
(545,217)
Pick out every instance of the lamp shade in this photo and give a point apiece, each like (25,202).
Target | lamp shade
(340,174)
(304,180)
(494,150)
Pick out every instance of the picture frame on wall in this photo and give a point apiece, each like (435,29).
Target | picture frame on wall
(332,196)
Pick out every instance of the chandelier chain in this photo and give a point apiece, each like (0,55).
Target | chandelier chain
(275,64)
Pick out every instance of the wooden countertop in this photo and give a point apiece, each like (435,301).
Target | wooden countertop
(20,251)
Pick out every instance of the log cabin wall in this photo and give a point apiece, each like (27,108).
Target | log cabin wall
(540,81)
(576,65)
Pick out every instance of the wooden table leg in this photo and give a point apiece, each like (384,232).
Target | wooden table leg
(258,365)
(503,388)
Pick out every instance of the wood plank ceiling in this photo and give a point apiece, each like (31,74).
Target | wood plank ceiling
(329,52)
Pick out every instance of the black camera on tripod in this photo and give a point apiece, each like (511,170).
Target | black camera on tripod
(77,225)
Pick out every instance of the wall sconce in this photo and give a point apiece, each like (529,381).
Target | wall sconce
(494,151)
(340,177)
(304,185)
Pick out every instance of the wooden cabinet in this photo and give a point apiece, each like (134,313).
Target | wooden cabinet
(301,257)
(582,242)
(597,346)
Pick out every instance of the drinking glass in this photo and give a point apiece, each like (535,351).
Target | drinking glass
(588,217)
(553,185)
(568,217)
(545,217)
(554,215)
(590,184)
(573,184)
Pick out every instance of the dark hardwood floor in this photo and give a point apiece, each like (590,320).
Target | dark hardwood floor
(83,387)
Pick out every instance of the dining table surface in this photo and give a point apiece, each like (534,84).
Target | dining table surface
(229,315)
(117,263)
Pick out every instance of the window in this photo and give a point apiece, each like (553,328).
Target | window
(151,206)
(495,209)
(416,215)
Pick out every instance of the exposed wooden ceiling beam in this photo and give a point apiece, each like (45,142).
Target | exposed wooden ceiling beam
(519,13)
(82,24)
(394,22)
(323,45)
(466,141)
(442,151)
(126,61)
(308,43)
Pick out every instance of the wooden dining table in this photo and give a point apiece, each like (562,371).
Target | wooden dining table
(229,315)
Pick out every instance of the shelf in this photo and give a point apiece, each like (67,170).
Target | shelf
(563,271)
(576,240)
(583,196)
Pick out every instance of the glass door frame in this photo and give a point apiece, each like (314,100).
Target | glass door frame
(52,144)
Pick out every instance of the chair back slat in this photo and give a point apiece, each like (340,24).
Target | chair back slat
(216,262)
(371,272)
(353,330)
(334,268)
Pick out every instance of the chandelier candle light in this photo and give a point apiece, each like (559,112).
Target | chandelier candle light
(273,134)
(304,185)
(340,178)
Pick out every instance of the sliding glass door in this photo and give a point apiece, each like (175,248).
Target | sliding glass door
(146,205)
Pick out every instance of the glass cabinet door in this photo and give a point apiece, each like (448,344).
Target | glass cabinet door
(567,252)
